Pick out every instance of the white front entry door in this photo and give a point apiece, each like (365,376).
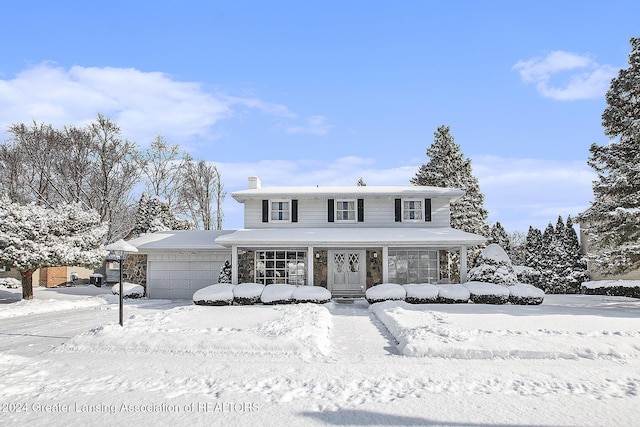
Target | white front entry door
(347,272)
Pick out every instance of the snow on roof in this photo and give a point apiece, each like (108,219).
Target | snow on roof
(185,239)
(348,191)
(351,237)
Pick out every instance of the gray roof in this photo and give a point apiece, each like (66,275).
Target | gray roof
(179,240)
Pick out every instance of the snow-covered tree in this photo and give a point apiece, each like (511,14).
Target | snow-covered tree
(612,221)
(447,167)
(225,273)
(33,236)
(533,258)
(153,215)
(160,164)
(517,243)
(200,189)
(500,237)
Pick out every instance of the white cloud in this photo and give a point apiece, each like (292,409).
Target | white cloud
(583,77)
(315,125)
(518,192)
(143,104)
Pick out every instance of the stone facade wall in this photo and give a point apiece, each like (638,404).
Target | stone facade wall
(135,269)
(320,275)
(246,267)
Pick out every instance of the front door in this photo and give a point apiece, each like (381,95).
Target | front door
(347,272)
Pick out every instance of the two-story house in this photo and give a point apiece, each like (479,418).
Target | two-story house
(345,238)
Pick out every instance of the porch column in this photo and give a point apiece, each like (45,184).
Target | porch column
(234,265)
(385,264)
(463,264)
(310,266)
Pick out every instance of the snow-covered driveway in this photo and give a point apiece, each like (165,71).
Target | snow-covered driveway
(65,360)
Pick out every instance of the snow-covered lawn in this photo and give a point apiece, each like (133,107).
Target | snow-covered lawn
(64,360)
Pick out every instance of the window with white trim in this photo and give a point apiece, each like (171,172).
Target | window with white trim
(280,210)
(413,266)
(281,267)
(412,210)
(346,210)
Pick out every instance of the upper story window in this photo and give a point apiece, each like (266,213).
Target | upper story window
(412,210)
(345,210)
(280,210)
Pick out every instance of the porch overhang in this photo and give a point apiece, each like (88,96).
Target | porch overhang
(353,237)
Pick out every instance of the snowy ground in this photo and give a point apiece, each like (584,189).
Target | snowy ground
(64,360)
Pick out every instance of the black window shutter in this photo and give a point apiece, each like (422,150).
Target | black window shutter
(360,210)
(294,210)
(330,210)
(427,210)
(265,211)
(398,210)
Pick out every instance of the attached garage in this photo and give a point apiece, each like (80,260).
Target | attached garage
(181,262)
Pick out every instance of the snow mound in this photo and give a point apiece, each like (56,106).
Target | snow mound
(315,294)
(131,290)
(421,293)
(481,332)
(385,292)
(451,294)
(10,282)
(525,294)
(301,330)
(247,293)
(495,253)
(218,294)
(277,294)
(487,293)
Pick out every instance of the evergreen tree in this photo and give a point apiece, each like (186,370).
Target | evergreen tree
(225,273)
(500,237)
(577,262)
(447,167)
(549,261)
(153,215)
(612,221)
(532,258)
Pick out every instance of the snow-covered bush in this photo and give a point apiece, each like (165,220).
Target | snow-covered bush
(528,275)
(487,293)
(247,293)
(452,294)
(278,294)
(385,292)
(130,290)
(493,266)
(10,282)
(218,294)
(316,294)
(525,294)
(621,288)
(422,293)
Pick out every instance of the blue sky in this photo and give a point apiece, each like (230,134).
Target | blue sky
(322,93)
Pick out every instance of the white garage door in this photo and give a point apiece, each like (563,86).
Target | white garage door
(179,275)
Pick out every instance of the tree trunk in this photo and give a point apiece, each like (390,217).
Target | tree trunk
(27,284)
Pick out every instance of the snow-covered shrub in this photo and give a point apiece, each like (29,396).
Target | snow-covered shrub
(10,282)
(385,292)
(218,294)
(621,288)
(452,294)
(487,293)
(528,275)
(316,294)
(247,293)
(129,290)
(493,266)
(525,294)
(422,293)
(278,294)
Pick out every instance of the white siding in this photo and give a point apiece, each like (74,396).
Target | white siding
(377,213)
